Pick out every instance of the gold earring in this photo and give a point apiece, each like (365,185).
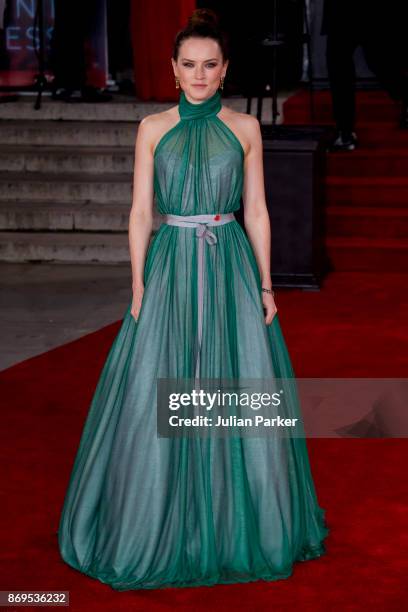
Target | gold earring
(222,82)
(177,83)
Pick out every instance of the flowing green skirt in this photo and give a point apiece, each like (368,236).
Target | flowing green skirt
(148,512)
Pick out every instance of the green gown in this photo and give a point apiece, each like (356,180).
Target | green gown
(144,512)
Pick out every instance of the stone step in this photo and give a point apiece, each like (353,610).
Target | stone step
(121,108)
(101,160)
(64,247)
(57,216)
(53,110)
(70,133)
(64,187)
(72,216)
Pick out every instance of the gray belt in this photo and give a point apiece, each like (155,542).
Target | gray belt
(201,222)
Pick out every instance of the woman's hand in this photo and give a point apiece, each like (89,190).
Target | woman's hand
(269,307)
(138,291)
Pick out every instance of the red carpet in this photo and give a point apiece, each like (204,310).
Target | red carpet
(355,326)
(367,189)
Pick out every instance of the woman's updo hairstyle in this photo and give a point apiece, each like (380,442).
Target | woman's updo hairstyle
(203,23)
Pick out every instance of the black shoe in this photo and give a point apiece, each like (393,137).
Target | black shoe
(92,94)
(344,141)
(404,116)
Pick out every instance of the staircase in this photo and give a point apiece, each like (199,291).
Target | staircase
(367,189)
(66,175)
(66,178)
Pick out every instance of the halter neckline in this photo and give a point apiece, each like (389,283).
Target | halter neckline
(210,107)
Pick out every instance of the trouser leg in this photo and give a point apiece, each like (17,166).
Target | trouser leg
(341,71)
(73,19)
(384,58)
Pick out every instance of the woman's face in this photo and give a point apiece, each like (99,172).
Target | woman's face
(199,68)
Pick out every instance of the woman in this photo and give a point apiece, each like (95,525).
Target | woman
(143,511)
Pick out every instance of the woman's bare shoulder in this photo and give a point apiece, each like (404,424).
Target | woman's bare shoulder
(246,127)
(152,127)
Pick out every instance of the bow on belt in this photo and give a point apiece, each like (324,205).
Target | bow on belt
(203,232)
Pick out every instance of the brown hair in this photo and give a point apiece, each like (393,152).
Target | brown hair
(203,23)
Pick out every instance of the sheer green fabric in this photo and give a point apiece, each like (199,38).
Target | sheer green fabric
(148,512)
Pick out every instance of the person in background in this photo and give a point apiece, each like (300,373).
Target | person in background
(379,28)
(72,24)
(120,50)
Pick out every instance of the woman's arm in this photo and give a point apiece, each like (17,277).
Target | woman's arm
(141,214)
(256,216)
